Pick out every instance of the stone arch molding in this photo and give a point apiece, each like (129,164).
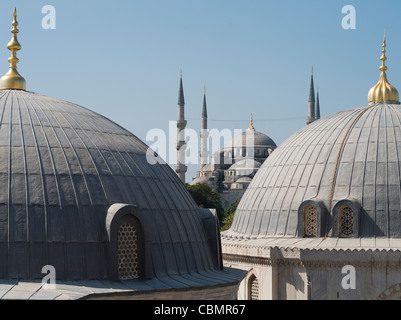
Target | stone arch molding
(392,293)
(321,216)
(355,206)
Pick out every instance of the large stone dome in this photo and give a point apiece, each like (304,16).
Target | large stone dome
(65,172)
(251,138)
(345,169)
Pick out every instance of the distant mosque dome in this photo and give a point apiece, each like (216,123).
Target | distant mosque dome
(249,144)
(251,139)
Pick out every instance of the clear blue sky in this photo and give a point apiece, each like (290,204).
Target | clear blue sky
(122,58)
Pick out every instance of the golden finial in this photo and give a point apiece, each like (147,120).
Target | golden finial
(383,58)
(383,91)
(251,126)
(12,79)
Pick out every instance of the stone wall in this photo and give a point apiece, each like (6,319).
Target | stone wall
(302,274)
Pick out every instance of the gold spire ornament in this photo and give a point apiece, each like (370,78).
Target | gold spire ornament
(383,91)
(251,126)
(12,79)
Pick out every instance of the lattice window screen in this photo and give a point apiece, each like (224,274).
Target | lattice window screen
(254,288)
(346,222)
(127,251)
(310,221)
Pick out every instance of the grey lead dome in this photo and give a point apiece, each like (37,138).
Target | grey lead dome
(251,139)
(61,168)
(349,159)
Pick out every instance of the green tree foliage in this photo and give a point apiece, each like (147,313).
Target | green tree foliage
(206,197)
(229,215)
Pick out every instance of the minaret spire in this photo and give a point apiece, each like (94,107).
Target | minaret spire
(251,128)
(317,113)
(204,134)
(204,107)
(181,100)
(181,168)
(12,79)
(311,115)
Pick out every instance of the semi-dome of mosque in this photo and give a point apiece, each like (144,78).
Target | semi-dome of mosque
(85,196)
(245,167)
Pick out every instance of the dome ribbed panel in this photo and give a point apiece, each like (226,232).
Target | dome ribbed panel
(61,167)
(367,144)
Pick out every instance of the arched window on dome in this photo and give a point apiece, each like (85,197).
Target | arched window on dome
(346,215)
(129,245)
(253,288)
(312,215)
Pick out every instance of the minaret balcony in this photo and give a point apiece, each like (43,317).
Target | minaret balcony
(181,124)
(181,168)
(181,145)
(204,133)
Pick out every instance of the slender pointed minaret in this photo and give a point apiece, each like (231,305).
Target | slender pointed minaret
(204,134)
(311,116)
(181,168)
(317,113)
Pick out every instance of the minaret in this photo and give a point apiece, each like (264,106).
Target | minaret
(204,134)
(317,113)
(311,116)
(181,168)
(12,79)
